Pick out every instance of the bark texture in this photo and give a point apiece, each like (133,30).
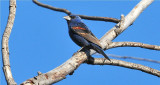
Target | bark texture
(5,40)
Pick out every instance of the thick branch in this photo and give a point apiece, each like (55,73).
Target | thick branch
(129,19)
(58,73)
(132,44)
(5,48)
(102,61)
(73,63)
(107,19)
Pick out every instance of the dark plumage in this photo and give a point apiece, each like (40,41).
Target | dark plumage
(82,36)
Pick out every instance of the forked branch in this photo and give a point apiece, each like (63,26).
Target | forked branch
(72,64)
(129,19)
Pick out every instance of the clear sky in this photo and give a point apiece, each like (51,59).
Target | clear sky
(40,42)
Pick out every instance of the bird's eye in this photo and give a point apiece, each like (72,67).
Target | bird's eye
(73,17)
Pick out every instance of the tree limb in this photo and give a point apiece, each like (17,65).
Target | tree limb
(107,19)
(5,47)
(129,19)
(132,44)
(72,64)
(58,73)
(103,61)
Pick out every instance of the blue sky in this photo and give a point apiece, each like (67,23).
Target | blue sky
(40,42)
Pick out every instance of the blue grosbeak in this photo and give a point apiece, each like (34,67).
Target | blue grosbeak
(82,36)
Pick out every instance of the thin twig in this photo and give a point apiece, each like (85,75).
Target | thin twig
(133,44)
(5,47)
(107,19)
(103,61)
(52,8)
(134,58)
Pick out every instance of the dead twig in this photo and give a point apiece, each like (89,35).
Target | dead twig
(107,19)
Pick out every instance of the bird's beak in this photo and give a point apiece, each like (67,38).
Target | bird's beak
(67,18)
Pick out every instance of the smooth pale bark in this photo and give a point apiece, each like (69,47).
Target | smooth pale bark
(5,47)
(133,44)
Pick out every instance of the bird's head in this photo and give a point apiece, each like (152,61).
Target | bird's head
(72,18)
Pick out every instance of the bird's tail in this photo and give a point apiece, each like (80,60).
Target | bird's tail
(99,50)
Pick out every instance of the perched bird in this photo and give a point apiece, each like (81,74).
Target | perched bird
(82,36)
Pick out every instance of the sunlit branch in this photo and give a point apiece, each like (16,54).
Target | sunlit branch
(5,47)
(58,73)
(129,19)
(103,61)
(132,44)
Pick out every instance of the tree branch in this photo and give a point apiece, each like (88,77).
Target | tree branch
(129,19)
(52,8)
(5,48)
(107,19)
(60,72)
(132,44)
(103,61)
(134,58)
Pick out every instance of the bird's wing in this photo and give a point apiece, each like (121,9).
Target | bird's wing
(87,34)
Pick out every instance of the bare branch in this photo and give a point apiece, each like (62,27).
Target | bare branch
(73,63)
(5,48)
(129,19)
(134,58)
(107,19)
(69,66)
(58,73)
(103,61)
(132,44)
(52,8)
